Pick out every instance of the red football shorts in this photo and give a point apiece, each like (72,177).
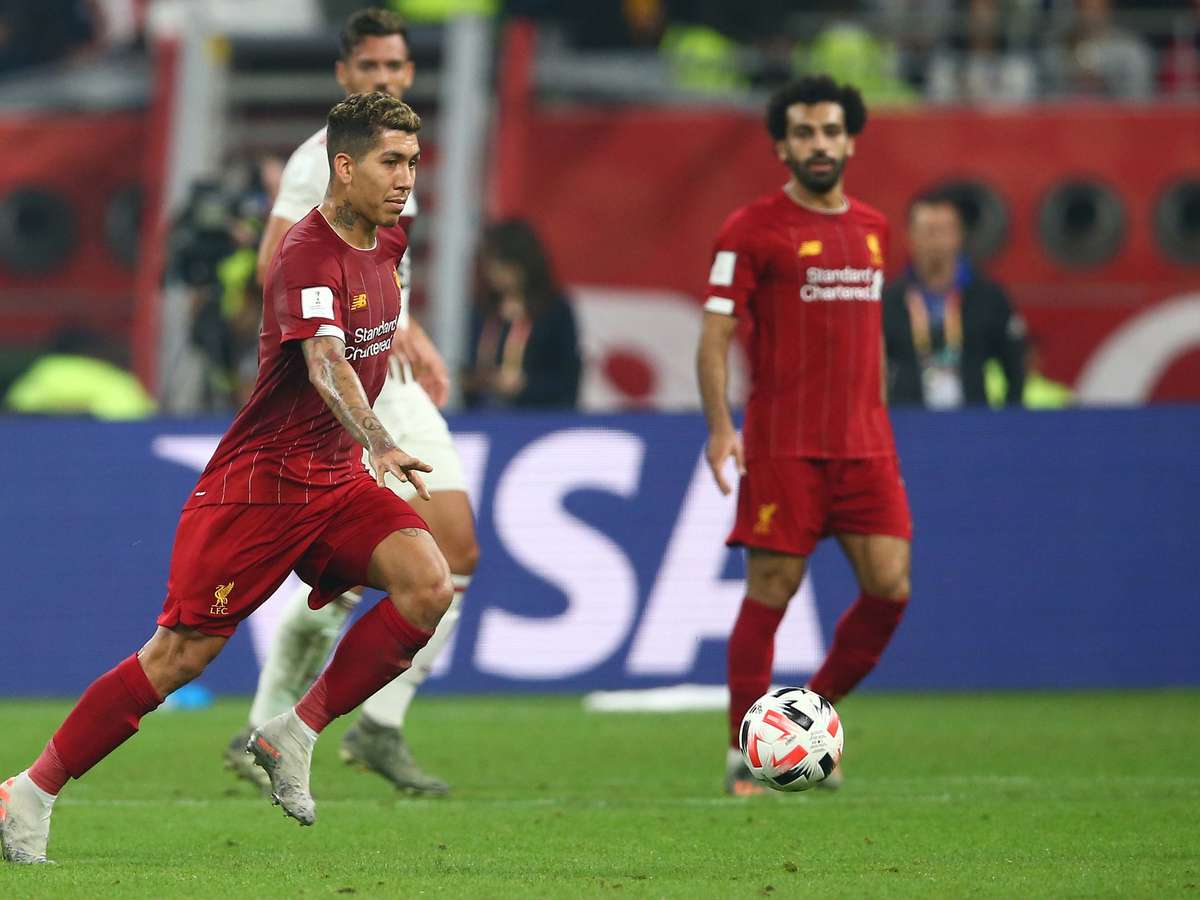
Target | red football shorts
(228,559)
(789,504)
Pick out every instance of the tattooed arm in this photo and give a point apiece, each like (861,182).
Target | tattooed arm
(337,383)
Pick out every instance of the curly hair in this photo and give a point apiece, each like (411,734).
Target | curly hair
(370,22)
(356,123)
(815,89)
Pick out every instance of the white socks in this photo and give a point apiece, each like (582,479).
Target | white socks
(47,800)
(303,644)
(389,705)
(298,653)
(301,731)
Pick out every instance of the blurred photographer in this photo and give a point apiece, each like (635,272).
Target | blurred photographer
(213,251)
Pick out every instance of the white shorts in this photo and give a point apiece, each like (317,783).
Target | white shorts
(419,429)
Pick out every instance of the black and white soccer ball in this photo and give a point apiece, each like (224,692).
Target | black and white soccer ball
(791,739)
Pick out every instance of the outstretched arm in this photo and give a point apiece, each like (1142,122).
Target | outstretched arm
(712,368)
(337,383)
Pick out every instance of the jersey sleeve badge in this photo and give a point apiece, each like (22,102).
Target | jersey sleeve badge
(316,303)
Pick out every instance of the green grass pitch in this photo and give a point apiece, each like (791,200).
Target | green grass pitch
(979,795)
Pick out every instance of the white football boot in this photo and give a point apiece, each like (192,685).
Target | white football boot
(239,761)
(739,781)
(283,747)
(24,820)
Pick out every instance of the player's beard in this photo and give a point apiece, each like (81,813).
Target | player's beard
(817,182)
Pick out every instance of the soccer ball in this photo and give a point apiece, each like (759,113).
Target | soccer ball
(791,739)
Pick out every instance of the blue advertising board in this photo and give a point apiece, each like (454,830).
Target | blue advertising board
(1051,550)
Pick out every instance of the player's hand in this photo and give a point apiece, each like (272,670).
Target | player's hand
(402,352)
(435,379)
(721,446)
(412,346)
(396,462)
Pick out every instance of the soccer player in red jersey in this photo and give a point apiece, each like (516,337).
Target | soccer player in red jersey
(286,489)
(804,267)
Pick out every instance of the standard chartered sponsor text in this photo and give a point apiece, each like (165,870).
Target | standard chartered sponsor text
(842,284)
(360,349)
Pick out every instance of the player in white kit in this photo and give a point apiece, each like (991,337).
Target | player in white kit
(375,57)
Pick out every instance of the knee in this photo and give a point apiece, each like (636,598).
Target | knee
(890,583)
(428,598)
(462,554)
(774,588)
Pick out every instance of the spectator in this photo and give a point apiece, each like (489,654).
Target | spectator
(943,319)
(525,351)
(918,27)
(850,53)
(981,68)
(1099,59)
(701,59)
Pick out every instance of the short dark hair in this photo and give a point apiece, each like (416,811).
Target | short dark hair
(936,197)
(815,89)
(354,125)
(371,22)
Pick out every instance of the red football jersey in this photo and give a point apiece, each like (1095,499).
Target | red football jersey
(810,284)
(286,443)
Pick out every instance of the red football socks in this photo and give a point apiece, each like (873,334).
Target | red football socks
(379,647)
(862,633)
(751,653)
(105,717)
(48,771)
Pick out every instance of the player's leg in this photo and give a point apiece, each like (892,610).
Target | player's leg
(407,564)
(376,741)
(871,518)
(881,565)
(772,579)
(302,643)
(107,715)
(295,657)
(780,517)
(410,568)
(305,638)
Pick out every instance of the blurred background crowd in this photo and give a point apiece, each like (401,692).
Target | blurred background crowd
(1039,161)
